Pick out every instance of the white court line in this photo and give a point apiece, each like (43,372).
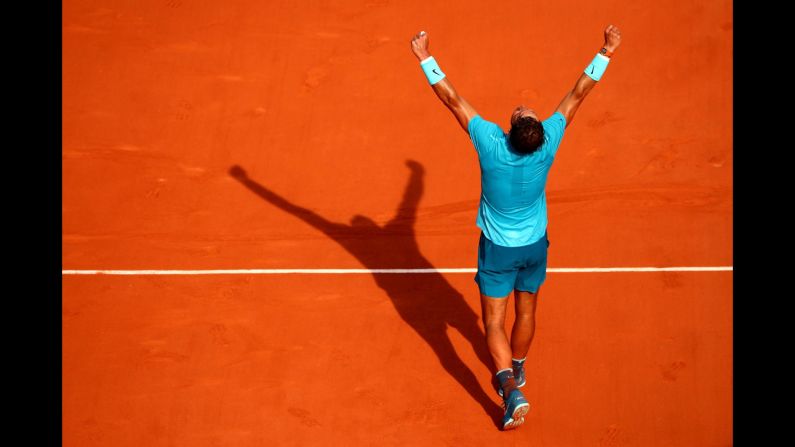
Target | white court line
(370,271)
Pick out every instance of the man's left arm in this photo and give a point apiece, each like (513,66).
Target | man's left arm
(441,85)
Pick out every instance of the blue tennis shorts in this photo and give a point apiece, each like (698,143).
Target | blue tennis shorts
(503,269)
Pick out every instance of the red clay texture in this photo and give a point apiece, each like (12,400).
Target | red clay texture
(245,134)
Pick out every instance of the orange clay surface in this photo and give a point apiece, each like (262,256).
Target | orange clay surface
(322,104)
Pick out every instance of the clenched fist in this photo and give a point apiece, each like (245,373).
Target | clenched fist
(612,38)
(419,45)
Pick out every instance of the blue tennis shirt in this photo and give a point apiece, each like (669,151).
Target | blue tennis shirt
(513,204)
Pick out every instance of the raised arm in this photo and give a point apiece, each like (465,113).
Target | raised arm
(588,79)
(441,85)
(321,223)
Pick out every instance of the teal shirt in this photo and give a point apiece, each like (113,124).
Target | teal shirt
(513,204)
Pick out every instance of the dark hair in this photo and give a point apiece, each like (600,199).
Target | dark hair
(526,135)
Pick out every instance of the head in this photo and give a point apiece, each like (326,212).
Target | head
(526,133)
(360,221)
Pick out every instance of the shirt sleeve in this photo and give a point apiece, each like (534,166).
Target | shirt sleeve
(483,134)
(554,126)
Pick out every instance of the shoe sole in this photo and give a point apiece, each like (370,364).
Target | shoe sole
(517,418)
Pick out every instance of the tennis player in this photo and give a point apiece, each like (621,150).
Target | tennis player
(512,215)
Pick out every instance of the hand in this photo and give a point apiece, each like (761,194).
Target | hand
(612,38)
(419,45)
(237,172)
(415,166)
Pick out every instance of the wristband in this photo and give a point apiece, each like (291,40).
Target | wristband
(597,67)
(432,70)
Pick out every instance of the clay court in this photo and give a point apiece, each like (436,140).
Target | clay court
(326,297)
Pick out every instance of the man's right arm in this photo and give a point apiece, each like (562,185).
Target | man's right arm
(571,102)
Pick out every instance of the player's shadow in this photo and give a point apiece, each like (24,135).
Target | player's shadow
(426,301)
